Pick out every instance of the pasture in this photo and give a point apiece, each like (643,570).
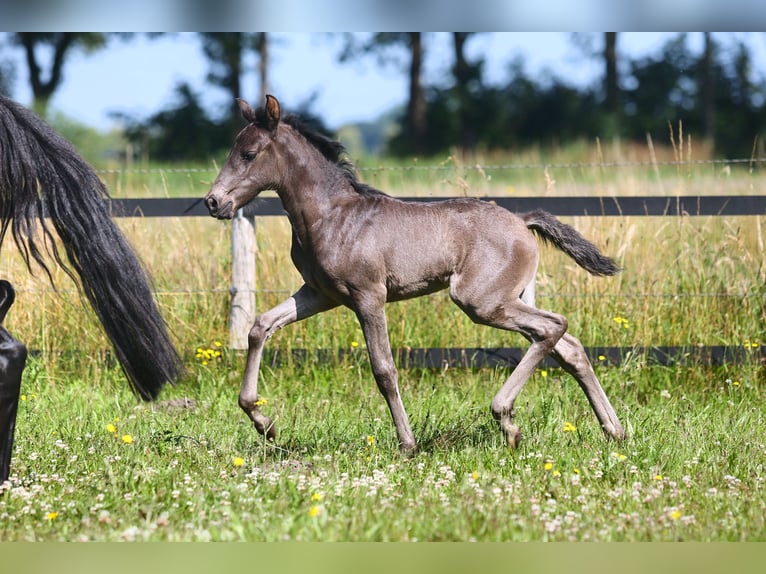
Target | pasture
(91,463)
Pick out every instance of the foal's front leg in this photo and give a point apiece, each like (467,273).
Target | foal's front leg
(372,317)
(305,303)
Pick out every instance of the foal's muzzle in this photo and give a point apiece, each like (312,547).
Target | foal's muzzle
(221,210)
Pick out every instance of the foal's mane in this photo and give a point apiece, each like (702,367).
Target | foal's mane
(331,149)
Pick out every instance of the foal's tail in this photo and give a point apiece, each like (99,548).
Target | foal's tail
(568,240)
(42,176)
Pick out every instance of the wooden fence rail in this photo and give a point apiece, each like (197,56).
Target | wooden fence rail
(561,206)
(243,288)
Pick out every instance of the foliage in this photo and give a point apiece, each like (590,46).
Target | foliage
(649,94)
(59,46)
(182,131)
(658,91)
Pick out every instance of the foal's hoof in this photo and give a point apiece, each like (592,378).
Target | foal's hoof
(615,432)
(512,435)
(408,451)
(265,426)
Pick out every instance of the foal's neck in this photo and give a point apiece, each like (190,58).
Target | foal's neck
(313,186)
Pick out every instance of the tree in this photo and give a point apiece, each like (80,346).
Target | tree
(383,44)
(45,79)
(710,94)
(183,131)
(7,72)
(415,127)
(226,52)
(262,48)
(608,91)
(611,83)
(467,83)
(708,88)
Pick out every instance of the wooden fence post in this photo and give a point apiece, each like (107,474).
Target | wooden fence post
(242,309)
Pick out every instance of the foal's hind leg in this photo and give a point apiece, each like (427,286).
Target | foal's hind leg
(569,353)
(13,356)
(541,328)
(305,303)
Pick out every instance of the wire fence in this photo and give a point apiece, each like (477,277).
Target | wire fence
(451,166)
(599,206)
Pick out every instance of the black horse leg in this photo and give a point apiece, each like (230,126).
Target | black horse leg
(13,358)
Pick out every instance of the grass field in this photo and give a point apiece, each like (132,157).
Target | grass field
(93,464)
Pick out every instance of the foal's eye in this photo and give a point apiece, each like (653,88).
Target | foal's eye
(248,155)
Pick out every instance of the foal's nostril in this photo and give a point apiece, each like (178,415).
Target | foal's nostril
(212,204)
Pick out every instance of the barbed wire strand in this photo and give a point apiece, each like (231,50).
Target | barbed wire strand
(539,295)
(476,166)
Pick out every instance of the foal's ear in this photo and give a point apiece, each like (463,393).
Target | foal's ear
(272,112)
(247,112)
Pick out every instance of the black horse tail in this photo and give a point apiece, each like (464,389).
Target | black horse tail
(569,240)
(42,176)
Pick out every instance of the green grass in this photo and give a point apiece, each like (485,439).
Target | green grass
(691,469)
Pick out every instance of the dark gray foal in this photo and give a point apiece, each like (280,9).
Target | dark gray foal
(358,247)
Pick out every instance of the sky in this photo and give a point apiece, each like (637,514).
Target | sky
(138,77)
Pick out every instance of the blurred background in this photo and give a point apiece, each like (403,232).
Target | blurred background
(169,97)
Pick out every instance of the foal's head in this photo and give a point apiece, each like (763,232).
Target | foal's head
(252,164)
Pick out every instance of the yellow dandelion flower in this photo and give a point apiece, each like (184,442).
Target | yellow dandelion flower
(576,470)
(601,358)
(548,466)
(475,475)
(543,373)
(51,516)
(619,456)
(354,344)
(621,321)
(556,473)
(569,427)
(370,439)
(315,510)
(316,497)
(658,477)
(127,439)
(675,515)
(218,344)
(238,461)
(111,428)
(23,397)
(261,402)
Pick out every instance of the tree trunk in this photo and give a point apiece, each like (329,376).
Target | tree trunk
(611,85)
(233,55)
(708,90)
(416,107)
(42,90)
(462,73)
(262,47)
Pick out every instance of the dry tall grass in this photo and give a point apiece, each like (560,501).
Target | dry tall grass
(686,280)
